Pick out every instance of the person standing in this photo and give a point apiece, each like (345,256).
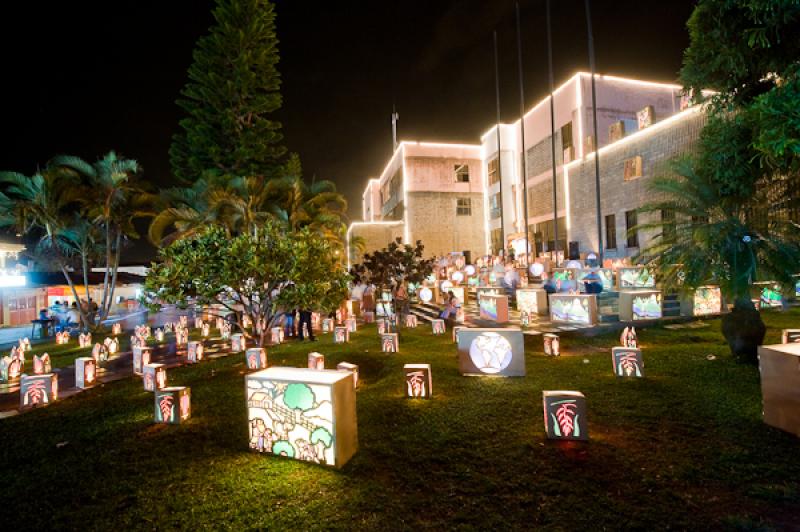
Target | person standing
(401,296)
(305,319)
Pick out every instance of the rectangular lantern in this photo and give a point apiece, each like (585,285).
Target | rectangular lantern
(24,344)
(565,415)
(205,330)
(181,335)
(637,305)
(85,372)
(85,340)
(154,377)
(112,345)
(604,275)
(256,358)
(327,325)
(383,326)
(552,345)
(369,317)
(627,362)
(183,321)
(41,364)
(160,335)
(316,361)
(303,414)
(62,338)
(351,325)
(780,385)
(100,353)
(37,390)
(497,352)
(353,308)
(198,323)
(532,301)
(790,336)
(770,295)
(494,308)
(707,300)
(635,277)
(276,335)
(138,341)
(438,326)
(11,366)
(194,352)
(390,343)
(411,321)
(141,356)
(340,335)
(577,309)
(351,368)
(173,405)
(116,329)
(419,384)
(238,343)
(455,333)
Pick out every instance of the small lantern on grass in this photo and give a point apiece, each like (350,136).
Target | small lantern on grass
(351,325)
(159,336)
(205,330)
(316,361)
(390,343)
(419,384)
(352,368)
(173,404)
(85,339)
(411,321)
(100,353)
(116,329)
(24,345)
(138,341)
(11,366)
(112,345)
(141,357)
(628,337)
(62,338)
(194,352)
(627,362)
(438,326)
(37,390)
(340,335)
(198,323)
(183,321)
(85,372)
(256,358)
(552,345)
(327,325)
(225,331)
(154,377)
(565,415)
(276,335)
(238,343)
(41,364)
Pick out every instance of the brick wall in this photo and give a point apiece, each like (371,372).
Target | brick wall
(432,218)
(376,236)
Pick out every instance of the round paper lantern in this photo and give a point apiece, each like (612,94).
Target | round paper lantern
(574,264)
(445,286)
(470,269)
(425,294)
(458,277)
(490,352)
(537,269)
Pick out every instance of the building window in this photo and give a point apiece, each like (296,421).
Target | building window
(566,142)
(667,224)
(632,168)
(494,206)
(462,173)
(494,171)
(630,225)
(611,231)
(497,240)
(463,207)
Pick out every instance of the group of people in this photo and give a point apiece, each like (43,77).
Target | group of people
(64,315)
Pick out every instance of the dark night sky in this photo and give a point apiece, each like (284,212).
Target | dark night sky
(87,77)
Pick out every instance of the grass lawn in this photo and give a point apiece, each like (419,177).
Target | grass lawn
(683,448)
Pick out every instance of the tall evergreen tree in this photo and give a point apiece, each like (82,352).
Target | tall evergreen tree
(233,87)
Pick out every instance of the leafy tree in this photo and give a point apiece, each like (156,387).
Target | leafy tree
(261,274)
(233,88)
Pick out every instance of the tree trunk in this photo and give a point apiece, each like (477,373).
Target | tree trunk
(115,267)
(84,317)
(744,331)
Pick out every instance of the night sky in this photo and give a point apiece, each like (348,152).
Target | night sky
(86,77)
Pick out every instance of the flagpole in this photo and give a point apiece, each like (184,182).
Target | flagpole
(522,139)
(499,158)
(552,133)
(596,143)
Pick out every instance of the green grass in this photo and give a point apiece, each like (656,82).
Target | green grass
(683,448)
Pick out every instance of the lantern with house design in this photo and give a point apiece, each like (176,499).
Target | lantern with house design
(316,361)
(411,321)
(390,343)
(565,415)
(141,356)
(154,377)
(340,335)
(627,362)
(438,326)
(352,368)
(194,352)
(37,390)
(238,343)
(41,364)
(173,404)
(256,358)
(419,384)
(85,372)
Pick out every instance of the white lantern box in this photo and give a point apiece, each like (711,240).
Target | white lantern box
(173,404)
(341,335)
(116,329)
(780,385)
(11,367)
(277,335)
(198,323)
(194,352)
(225,331)
(351,368)
(85,372)
(41,364)
(493,352)
(112,345)
(494,308)
(552,344)
(438,326)
(159,335)
(85,339)
(419,383)
(143,331)
(138,341)
(141,356)
(183,321)
(37,390)
(455,333)
(238,343)
(181,335)
(628,337)
(411,321)
(303,414)
(100,353)
(577,309)
(327,325)
(205,330)
(627,362)
(256,358)
(790,336)
(369,317)
(316,361)
(565,415)
(390,343)
(351,324)
(532,301)
(24,344)
(154,377)
(637,305)
(62,338)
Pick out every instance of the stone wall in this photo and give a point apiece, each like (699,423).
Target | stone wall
(376,236)
(432,218)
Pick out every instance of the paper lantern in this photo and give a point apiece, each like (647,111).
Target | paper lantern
(41,364)
(340,335)
(11,367)
(565,415)
(419,384)
(635,277)
(154,377)
(640,305)
(138,341)
(628,337)
(533,301)
(194,352)
(62,338)
(411,321)
(577,309)
(168,327)
(552,345)
(205,330)
(85,372)
(238,343)
(790,336)
(351,368)
(159,335)
(84,340)
(706,301)
(494,308)
(24,345)
(327,325)
(780,385)
(173,405)
(438,326)
(219,323)
(350,323)
(225,331)
(37,390)
(340,315)
(499,352)
(316,361)
(627,362)
(425,294)
(390,343)
(183,321)
(455,333)
(256,358)
(369,317)
(116,329)
(198,323)
(457,277)
(141,356)
(142,331)
(181,336)
(100,353)
(303,414)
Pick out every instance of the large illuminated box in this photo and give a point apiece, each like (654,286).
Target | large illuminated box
(390,343)
(173,404)
(606,278)
(316,361)
(438,326)
(577,309)
(790,336)
(256,358)
(141,356)
(238,343)
(487,290)
(565,415)
(498,352)
(494,308)
(419,384)
(350,368)
(627,362)
(635,277)
(194,352)
(85,372)
(37,390)
(340,335)
(154,377)
(780,385)
(637,305)
(532,300)
(706,300)
(303,414)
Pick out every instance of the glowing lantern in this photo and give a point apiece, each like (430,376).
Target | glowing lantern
(116,329)
(37,390)
(411,321)
(220,323)
(419,384)
(628,337)
(256,358)
(494,308)
(198,323)
(181,335)
(389,343)
(85,340)
(576,309)
(276,335)
(790,336)
(640,305)
(154,377)
(552,345)
(340,335)
(173,404)
(112,345)
(168,327)
(565,415)
(469,270)
(627,362)
(62,338)
(303,414)
(246,321)
(142,331)
(225,331)
(205,330)
(11,366)
(780,385)
(85,372)
(138,341)
(350,323)
(425,294)
(536,269)
(316,361)
(24,345)
(327,325)
(160,335)
(707,300)
(499,352)
(369,317)
(351,368)
(194,352)
(141,356)
(184,321)
(99,353)
(238,343)
(532,301)
(41,364)
(457,277)
(438,326)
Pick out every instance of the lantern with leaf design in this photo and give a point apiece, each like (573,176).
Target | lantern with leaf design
(627,362)
(565,415)
(173,404)
(37,390)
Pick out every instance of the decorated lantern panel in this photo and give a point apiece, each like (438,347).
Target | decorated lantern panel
(256,358)
(770,295)
(390,343)
(238,343)
(552,344)
(154,377)
(499,352)
(24,345)
(487,291)
(340,335)
(183,321)
(494,308)
(85,372)
(159,335)
(605,276)
(138,341)
(707,301)
(316,361)
(37,390)
(112,345)
(327,325)
(303,414)
(85,339)
(41,364)
(276,335)
(198,323)
(142,331)
(225,331)
(62,338)
(173,404)
(351,368)
(205,330)
(637,305)
(779,367)
(532,301)
(194,352)
(116,329)
(411,321)
(635,277)
(181,335)
(100,353)
(627,362)
(141,356)
(438,326)
(577,309)
(11,366)
(565,415)
(790,336)
(628,337)
(351,325)
(419,384)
